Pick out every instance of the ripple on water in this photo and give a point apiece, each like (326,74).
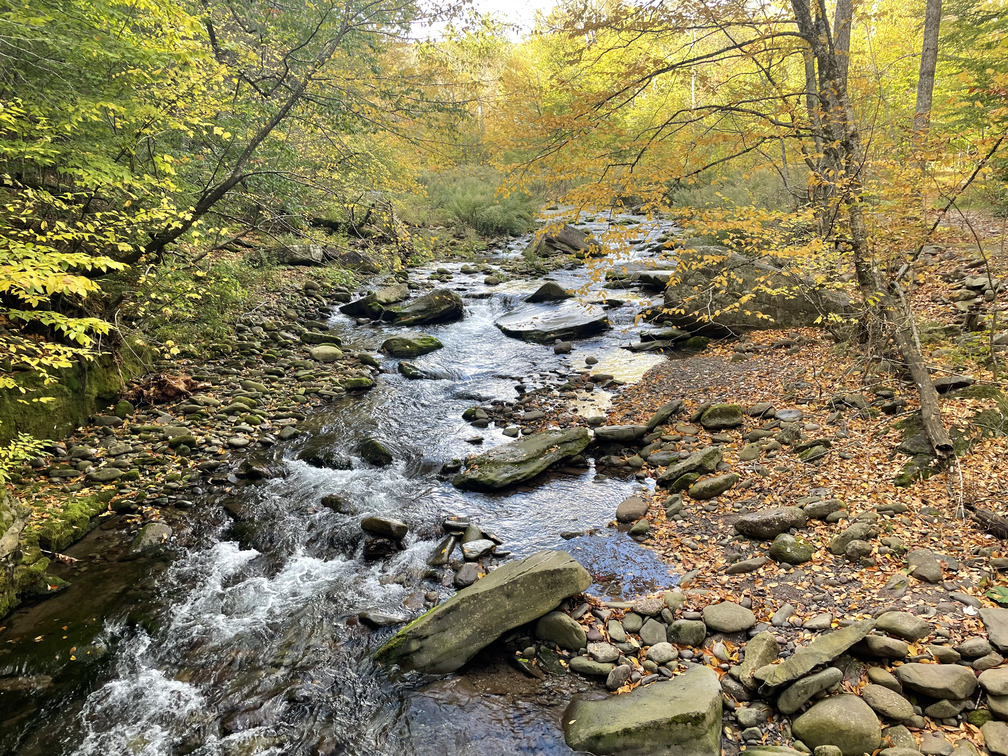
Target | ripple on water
(620,567)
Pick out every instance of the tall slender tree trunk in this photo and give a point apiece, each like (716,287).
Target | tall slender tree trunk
(842,20)
(847,155)
(925,92)
(926,78)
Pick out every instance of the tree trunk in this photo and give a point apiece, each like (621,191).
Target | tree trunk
(842,20)
(845,158)
(925,80)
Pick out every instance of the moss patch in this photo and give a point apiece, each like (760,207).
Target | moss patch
(68,523)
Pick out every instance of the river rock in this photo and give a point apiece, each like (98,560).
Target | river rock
(653,632)
(410,346)
(298,254)
(564,240)
(790,549)
(786,298)
(447,636)
(924,566)
(467,574)
(882,647)
(708,488)
(386,527)
(995,681)
(376,619)
(760,651)
(722,416)
(375,452)
(584,665)
(845,721)
(663,413)
(728,617)
(620,434)
(996,623)
(705,460)
(802,691)
(822,650)
(543,324)
(686,632)
(938,680)
(619,676)
(903,625)
(151,538)
(521,460)
(384,296)
(549,292)
(481,547)
(888,703)
(859,531)
(765,524)
(662,653)
(603,652)
(437,306)
(631,509)
(681,717)
(996,737)
(562,630)
(326,353)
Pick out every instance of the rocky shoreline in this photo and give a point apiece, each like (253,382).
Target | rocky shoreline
(807,618)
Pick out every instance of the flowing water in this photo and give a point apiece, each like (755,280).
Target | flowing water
(248,643)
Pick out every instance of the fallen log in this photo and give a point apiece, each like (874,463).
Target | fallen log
(993,523)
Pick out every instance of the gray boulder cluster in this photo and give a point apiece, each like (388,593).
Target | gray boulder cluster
(687,678)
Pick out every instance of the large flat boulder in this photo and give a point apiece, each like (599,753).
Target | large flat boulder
(521,460)
(938,680)
(654,276)
(711,279)
(447,636)
(681,717)
(822,650)
(564,240)
(543,324)
(437,306)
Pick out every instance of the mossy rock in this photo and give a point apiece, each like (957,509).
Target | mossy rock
(77,393)
(683,482)
(695,343)
(411,347)
(357,383)
(68,524)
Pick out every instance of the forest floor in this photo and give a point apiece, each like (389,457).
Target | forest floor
(863,469)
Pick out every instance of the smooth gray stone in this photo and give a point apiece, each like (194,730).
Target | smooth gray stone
(681,717)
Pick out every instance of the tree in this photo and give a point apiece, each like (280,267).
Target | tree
(769,74)
(131,129)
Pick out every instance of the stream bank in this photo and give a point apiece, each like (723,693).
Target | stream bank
(251,641)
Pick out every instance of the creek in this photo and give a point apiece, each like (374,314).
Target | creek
(247,640)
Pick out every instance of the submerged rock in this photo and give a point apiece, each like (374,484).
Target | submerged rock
(521,460)
(680,717)
(544,324)
(447,636)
